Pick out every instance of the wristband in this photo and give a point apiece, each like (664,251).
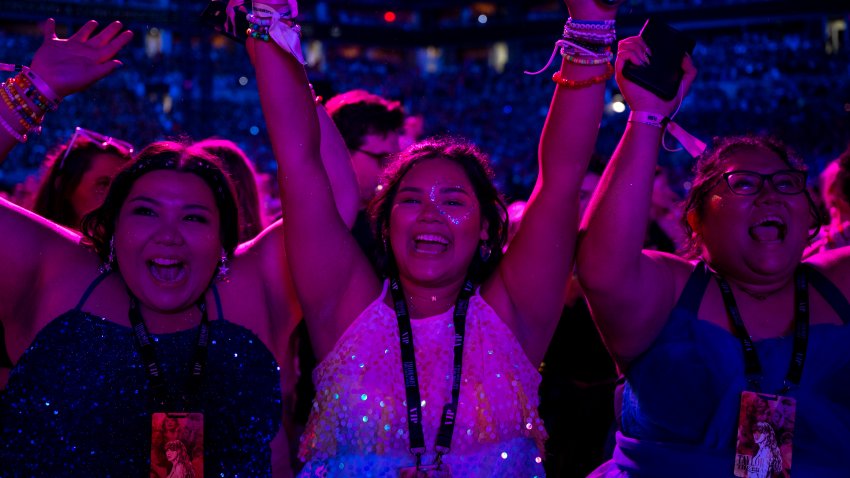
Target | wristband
(652,119)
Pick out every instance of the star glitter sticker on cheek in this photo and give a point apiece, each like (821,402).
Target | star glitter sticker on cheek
(453,202)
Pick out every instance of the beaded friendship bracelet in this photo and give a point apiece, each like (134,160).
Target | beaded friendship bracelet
(576,84)
(52,98)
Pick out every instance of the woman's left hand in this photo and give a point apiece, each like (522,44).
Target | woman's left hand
(73,64)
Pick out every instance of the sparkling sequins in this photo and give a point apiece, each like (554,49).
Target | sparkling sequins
(360,416)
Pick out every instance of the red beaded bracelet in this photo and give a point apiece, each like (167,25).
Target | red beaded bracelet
(576,84)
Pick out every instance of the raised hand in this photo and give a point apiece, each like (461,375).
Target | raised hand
(635,50)
(71,65)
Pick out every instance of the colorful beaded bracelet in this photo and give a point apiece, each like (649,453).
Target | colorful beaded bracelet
(576,84)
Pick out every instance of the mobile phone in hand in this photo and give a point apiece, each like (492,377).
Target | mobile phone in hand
(215,15)
(663,74)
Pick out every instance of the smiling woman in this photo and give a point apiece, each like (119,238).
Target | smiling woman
(698,340)
(156,310)
(429,368)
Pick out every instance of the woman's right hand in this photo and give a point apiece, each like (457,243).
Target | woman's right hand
(73,64)
(635,50)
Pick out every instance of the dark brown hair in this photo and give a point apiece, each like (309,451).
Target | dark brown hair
(99,225)
(709,169)
(357,113)
(53,200)
(480,174)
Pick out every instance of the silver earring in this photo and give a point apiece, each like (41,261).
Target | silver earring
(110,259)
(223,268)
(485,251)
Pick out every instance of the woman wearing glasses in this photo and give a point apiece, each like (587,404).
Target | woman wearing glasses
(696,340)
(78,176)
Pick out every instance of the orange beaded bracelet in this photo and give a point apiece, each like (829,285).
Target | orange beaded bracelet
(576,84)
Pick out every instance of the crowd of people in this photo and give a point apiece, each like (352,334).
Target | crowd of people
(383,310)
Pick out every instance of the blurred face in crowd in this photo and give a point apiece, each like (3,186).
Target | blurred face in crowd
(94,184)
(435,223)
(370,160)
(167,239)
(758,235)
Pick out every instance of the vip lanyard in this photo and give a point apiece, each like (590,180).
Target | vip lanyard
(752,365)
(411,379)
(145,345)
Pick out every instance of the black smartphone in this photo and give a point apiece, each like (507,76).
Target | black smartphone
(215,15)
(663,74)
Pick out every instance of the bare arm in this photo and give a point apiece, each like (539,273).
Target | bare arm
(539,261)
(29,243)
(630,292)
(333,278)
(337,163)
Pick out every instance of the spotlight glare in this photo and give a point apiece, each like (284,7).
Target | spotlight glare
(618,107)
(482,19)
(389,17)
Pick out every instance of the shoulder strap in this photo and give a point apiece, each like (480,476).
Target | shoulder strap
(694,290)
(218,309)
(91,289)
(830,292)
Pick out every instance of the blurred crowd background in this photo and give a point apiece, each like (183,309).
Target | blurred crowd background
(777,67)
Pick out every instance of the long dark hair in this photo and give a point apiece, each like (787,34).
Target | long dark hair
(243,176)
(99,225)
(480,174)
(708,172)
(60,181)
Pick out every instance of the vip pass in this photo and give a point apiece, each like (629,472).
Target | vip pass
(16,94)
(274,23)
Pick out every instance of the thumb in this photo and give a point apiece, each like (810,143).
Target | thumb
(49,29)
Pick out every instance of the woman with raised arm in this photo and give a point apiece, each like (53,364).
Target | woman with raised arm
(705,345)
(432,367)
(154,310)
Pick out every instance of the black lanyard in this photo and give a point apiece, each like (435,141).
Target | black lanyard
(752,365)
(145,345)
(411,379)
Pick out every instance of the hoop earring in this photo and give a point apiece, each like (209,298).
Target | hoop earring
(486,251)
(110,259)
(223,268)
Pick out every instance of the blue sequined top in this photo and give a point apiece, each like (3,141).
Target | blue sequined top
(77,401)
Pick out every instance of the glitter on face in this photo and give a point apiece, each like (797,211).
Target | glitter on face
(456,214)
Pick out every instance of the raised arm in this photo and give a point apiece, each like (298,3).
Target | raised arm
(337,163)
(332,276)
(538,263)
(630,291)
(33,250)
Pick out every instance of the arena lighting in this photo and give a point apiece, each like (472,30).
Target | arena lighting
(389,17)
(482,19)
(243,80)
(618,106)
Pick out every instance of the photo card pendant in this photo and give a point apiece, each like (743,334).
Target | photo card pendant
(765,435)
(426,471)
(177,445)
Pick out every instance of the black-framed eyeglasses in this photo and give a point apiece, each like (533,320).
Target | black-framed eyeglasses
(750,183)
(102,141)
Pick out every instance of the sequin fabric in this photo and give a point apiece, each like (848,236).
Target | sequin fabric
(76,403)
(358,425)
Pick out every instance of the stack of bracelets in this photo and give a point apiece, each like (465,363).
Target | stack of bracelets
(274,23)
(587,43)
(15,93)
